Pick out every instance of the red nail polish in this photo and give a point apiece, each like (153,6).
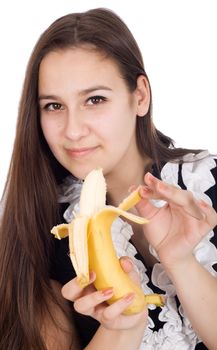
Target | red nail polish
(92,276)
(151,177)
(129,297)
(203,203)
(107,292)
(145,191)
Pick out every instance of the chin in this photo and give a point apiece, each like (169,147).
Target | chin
(81,173)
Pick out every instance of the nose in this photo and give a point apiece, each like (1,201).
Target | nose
(76,126)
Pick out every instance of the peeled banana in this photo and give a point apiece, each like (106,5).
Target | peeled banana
(91,247)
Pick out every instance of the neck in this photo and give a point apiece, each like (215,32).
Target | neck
(120,181)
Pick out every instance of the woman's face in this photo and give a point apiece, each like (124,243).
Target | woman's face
(88,116)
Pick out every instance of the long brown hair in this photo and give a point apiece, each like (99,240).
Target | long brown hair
(31,208)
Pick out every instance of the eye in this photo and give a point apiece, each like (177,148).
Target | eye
(95,100)
(53,106)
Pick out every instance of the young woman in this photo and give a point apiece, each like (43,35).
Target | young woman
(86,103)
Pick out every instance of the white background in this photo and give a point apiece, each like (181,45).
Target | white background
(178,40)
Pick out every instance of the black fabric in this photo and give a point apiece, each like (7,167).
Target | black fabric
(62,271)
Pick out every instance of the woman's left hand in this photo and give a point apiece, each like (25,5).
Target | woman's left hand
(88,301)
(177,227)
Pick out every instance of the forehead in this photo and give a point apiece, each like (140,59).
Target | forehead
(81,65)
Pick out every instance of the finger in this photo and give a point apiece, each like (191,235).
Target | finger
(126,264)
(130,268)
(146,207)
(73,290)
(174,195)
(210,215)
(117,308)
(86,304)
(132,188)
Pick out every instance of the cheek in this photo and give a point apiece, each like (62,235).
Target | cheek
(118,125)
(51,139)
(45,129)
(50,129)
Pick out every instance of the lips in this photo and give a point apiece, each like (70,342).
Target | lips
(81,152)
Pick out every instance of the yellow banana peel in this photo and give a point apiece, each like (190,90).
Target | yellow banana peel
(91,247)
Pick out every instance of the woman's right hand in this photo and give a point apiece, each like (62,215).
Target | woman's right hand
(89,301)
(176,228)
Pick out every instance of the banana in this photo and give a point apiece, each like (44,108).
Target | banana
(91,247)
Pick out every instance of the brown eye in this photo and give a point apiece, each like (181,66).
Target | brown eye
(53,106)
(94,100)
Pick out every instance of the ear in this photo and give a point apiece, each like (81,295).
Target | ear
(143,96)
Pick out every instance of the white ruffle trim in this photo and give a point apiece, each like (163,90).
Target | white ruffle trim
(177,332)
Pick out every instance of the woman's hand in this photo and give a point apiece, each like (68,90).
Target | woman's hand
(89,301)
(177,227)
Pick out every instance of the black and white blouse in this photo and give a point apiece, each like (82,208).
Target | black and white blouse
(168,327)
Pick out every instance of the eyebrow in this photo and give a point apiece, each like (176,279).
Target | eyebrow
(80,93)
(94,88)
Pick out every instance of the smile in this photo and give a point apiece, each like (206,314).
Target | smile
(76,153)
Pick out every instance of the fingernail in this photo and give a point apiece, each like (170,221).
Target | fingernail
(92,276)
(203,203)
(131,188)
(129,263)
(107,292)
(151,177)
(144,191)
(126,264)
(129,297)
(149,174)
